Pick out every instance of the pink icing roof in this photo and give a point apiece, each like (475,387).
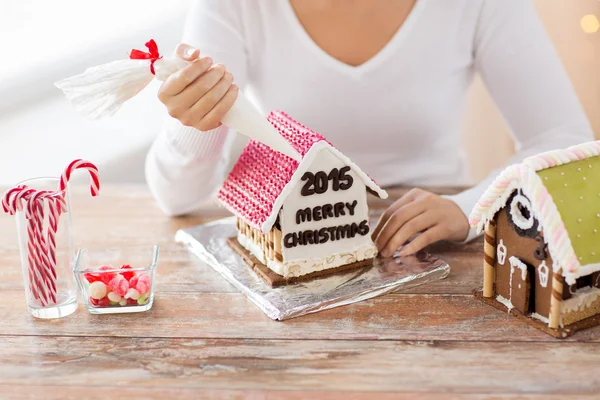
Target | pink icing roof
(261,174)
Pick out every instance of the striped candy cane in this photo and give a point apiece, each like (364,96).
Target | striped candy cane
(41,248)
(81,164)
(35,214)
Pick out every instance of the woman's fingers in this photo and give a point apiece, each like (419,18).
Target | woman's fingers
(426,238)
(213,119)
(413,226)
(396,221)
(199,111)
(180,80)
(404,200)
(199,89)
(187,52)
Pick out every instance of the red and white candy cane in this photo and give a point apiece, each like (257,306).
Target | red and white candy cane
(56,206)
(81,164)
(35,215)
(11,203)
(41,249)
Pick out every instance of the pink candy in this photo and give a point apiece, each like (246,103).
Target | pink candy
(143,284)
(119,285)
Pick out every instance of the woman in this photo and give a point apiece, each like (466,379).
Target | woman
(385,81)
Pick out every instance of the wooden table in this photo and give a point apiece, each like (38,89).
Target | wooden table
(203,339)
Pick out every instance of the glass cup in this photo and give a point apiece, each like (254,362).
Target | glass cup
(46,245)
(117,280)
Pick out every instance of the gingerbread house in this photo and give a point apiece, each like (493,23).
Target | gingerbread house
(297,220)
(542,239)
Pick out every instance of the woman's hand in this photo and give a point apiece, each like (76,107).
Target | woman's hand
(419,211)
(200,94)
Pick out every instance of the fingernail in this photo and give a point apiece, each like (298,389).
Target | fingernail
(207,60)
(229,76)
(190,52)
(403,253)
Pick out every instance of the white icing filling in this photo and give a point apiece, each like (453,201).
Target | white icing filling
(307,266)
(540,317)
(505,301)
(581,300)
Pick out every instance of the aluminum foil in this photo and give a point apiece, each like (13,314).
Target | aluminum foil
(208,242)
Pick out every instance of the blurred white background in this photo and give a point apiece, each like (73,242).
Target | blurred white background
(42,41)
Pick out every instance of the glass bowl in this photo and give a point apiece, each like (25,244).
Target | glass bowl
(116,280)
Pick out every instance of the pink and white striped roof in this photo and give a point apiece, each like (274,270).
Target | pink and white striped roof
(260,180)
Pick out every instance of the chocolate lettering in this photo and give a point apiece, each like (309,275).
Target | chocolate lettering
(338,209)
(303,215)
(331,231)
(318,183)
(364,228)
(327,211)
(309,237)
(334,177)
(351,207)
(308,189)
(323,237)
(345,179)
(316,214)
(321,182)
(290,240)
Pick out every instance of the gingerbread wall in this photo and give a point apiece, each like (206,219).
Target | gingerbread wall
(524,248)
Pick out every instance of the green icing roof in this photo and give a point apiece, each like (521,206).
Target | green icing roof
(575,189)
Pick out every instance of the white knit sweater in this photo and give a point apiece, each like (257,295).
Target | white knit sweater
(397,115)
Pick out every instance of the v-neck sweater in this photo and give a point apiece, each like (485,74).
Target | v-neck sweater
(398,115)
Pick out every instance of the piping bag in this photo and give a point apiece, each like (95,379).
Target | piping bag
(101,91)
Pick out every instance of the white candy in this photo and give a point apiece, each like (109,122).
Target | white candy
(123,302)
(132,294)
(97,290)
(112,296)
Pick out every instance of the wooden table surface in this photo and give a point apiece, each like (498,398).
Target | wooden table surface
(203,339)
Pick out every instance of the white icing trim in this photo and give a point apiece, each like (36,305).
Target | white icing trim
(307,161)
(582,299)
(540,317)
(516,263)
(501,252)
(517,216)
(543,274)
(505,301)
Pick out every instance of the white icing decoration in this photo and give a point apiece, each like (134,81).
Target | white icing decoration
(516,263)
(313,155)
(540,317)
(501,252)
(505,301)
(581,300)
(325,161)
(517,216)
(543,274)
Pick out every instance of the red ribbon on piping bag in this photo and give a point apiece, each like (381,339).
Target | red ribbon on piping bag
(152,55)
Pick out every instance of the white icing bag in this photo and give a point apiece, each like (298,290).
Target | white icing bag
(101,91)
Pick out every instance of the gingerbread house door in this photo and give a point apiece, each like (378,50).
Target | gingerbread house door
(520,285)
